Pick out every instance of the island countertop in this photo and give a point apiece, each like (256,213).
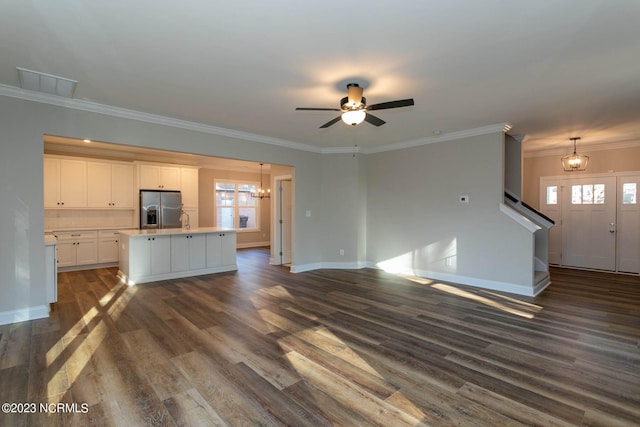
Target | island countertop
(177,231)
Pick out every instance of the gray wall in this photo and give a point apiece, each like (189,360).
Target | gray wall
(400,204)
(415,222)
(513,166)
(23,124)
(344,210)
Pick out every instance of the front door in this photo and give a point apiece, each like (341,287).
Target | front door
(589,223)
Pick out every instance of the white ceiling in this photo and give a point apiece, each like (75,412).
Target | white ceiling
(551,68)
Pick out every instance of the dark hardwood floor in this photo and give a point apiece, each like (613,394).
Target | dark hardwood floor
(263,347)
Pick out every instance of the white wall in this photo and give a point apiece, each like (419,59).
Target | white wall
(417,224)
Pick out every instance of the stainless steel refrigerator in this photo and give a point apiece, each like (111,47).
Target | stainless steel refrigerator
(160,209)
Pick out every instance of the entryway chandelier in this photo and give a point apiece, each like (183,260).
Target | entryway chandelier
(574,162)
(261,193)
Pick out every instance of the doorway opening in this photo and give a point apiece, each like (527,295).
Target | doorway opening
(282,253)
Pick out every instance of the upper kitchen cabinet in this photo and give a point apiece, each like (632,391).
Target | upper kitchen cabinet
(65,183)
(110,185)
(189,186)
(156,177)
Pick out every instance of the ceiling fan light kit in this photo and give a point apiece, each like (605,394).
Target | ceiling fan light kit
(574,162)
(353,117)
(354,109)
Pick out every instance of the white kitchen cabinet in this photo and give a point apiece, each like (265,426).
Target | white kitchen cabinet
(51,268)
(156,177)
(221,249)
(110,185)
(77,248)
(65,183)
(183,253)
(188,252)
(151,255)
(108,246)
(189,186)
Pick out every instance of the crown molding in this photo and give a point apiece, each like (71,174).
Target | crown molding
(341,150)
(585,148)
(77,104)
(451,136)
(93,107)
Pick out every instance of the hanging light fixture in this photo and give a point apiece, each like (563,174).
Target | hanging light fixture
(261,193)
(574,162)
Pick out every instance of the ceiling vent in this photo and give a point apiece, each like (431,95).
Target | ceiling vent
(46,83)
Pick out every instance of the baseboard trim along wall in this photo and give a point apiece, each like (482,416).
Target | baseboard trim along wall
(253,245)
(24,314)
(328,265)
(450,278)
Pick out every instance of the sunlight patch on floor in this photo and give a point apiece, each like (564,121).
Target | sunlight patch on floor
(350,394)
(112,303)
(333,383)
(508,304)
(415,279)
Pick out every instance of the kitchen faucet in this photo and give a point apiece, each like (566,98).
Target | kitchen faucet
(187,225)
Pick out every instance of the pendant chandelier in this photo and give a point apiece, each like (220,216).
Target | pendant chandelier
(574,162)
(261,193)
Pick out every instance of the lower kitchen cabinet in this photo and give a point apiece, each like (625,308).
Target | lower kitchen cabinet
(77,248)
(188,252)
(51,268)
(108,246)
(151,255)
(221,249)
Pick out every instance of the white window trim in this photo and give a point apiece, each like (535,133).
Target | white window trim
(257,228)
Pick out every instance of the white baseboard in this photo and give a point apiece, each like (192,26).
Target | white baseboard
(305,267)
(479,283)
(329,265)
(253,245)
(24,314)
(445,277)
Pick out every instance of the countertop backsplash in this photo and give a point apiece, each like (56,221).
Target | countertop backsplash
(87,219)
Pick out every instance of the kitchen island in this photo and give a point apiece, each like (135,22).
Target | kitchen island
(152,255)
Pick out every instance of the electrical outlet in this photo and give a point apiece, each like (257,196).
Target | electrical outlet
(341,252)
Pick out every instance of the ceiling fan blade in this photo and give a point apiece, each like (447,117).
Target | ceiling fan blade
(391,104)
(376,121)
(330,122)
(317,109)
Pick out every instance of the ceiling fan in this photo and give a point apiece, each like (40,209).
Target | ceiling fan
(355,110)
